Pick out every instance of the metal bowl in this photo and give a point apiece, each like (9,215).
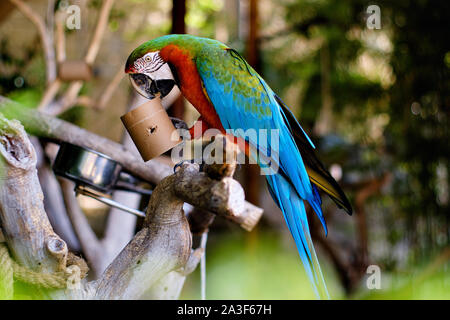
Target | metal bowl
(87,167)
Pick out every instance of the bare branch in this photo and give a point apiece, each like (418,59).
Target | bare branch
(42,255)
(24,221)
(55,208)
(99,31)
(49,94)
(60,36)
(47,43)
(110,89)
(68,99)
(107,94)
(88,240)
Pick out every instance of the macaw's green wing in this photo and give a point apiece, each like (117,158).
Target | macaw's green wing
(244,101)
(316,170)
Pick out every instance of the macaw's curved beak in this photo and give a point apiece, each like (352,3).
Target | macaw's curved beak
(148,88)
(144,85)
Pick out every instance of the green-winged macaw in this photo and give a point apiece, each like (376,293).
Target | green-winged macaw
(229,94)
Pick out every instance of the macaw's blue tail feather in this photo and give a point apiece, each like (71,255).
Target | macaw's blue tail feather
(294,213)
(316,203)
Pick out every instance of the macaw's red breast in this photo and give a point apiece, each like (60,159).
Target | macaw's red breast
(191,83)
(192,88)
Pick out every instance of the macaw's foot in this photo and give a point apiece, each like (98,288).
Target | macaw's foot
(179,164)
(179,124)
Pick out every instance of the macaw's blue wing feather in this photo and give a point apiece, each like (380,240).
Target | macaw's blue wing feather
(295,216)
(243,100)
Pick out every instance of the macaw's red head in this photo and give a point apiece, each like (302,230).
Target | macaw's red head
(149,73)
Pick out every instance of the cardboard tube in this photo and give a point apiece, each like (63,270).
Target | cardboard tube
(151,129)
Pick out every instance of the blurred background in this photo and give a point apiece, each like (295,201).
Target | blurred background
(375,101)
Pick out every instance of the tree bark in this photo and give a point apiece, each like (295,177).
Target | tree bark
(26,229)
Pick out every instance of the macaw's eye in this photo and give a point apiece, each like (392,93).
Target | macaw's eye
(139,82)
(148,58)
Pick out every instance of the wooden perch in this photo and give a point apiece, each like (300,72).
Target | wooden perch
(156,261)
(25,225)
(223,197)
(163,245)
(26,228)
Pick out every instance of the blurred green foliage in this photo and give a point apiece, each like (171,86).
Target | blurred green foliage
(239,269)
(268,268)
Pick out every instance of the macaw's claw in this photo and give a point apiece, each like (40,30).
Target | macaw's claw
(179,164)
(178,123)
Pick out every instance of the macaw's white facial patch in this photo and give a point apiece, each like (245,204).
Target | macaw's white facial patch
(163,73)
(152,65)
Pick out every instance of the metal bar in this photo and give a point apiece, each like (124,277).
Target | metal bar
(109,202)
